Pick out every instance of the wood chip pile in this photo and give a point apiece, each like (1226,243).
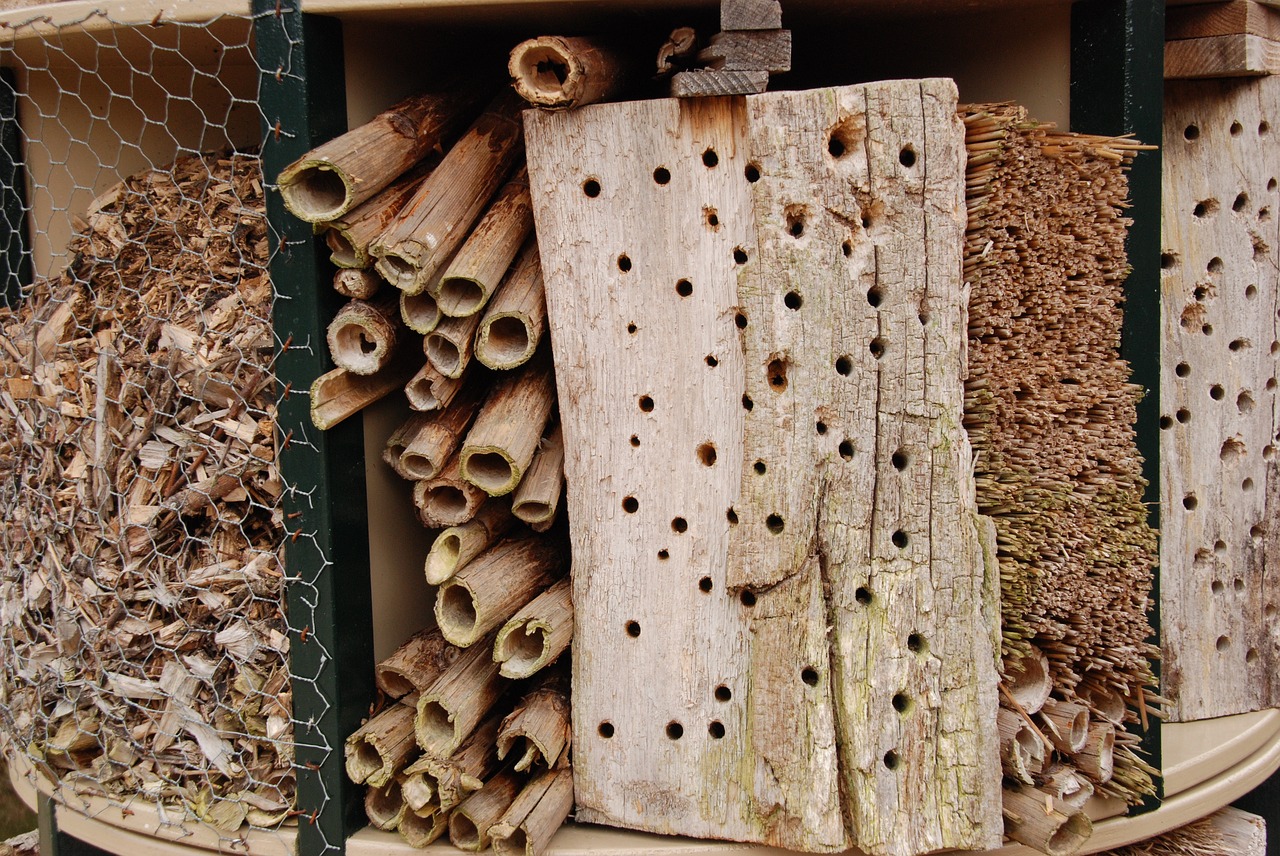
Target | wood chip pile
(1050,411)
(447,304)
(146,648)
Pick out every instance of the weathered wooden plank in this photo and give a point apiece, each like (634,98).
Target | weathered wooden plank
(1239,55)
(1219,547)
(722,224)
(705,83)
(767,50)
(750,14)
(1222,19)
(854,358)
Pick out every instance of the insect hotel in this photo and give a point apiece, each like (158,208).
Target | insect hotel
(693,427)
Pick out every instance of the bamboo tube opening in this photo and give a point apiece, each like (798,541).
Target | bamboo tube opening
(421,829)
(444,355)
(463,832)
(1077,731)
(359,349)
(544,69)
(418,466)
(506,341)
(460,296)
(341,251)
(1027,680)
(435,724)
(457,612)
(492,472)
(532,510)
(364,760)
(442,561)
(398,271)
(318,192)
(420,312)
(1108,703)
(1071,836)
(519,652)
(517,843)
(448,503)
(418,391)
(396,684)
(384,805)
(419,792)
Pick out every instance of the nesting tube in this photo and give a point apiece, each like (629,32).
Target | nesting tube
(537,634)
(513,324)
(538,732)
(500,445)
(494,586)
(416,664)
(451,708)
(429,390)
(384,806)
(1043,822)
(363,335)
(533,818)
(382,746)
(446,499)
(458,545)
(561,72)
(480,265)
(538,496)
(470,822)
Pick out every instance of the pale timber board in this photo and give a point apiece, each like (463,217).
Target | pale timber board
(1219,488)
(1239,55)
(773,776)
(875,218)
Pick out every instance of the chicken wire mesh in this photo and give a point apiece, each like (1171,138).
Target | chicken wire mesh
(145,642)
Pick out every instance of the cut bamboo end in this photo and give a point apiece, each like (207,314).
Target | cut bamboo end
(357,284)
(501,444)
(382,746)
(316,190)
(538,496)
(1045,823)
(1106,702)
(458,545)
(1022,753)
(561,72)
(536,635)
(429,390)
(449,711)
(491,468)
(517,316)
(343,252)
(1097,759)
(416,664)
(362,337)
(476,271)
(419,312)
(420,830)
(538,731)
(384,806)
(442,783)
(1068,785)
(1067,725)
(542,806)
(450,345)
(447,500)
(470,822)
(495,586)
(1027,679)
(421,448)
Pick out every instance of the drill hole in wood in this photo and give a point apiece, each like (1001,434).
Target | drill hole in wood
(662,175)
(1236,129)
(705,585)
(710,159)
(752,173)
(747,403)
(776,374)
(907,157)
(747,598)
(633,629)
(684,288)
(675,730)
(732,517)
(624,263)
(1223,644)
(1241,201)
(630,505)
(663,555)
(1191,132)
(1182,370)
(774,523)
(809,675)
(1216,392)
(679,525)
(846,449)
(1189,502)
(792,300)
(646,403)
(844,366)
(900,539)
(711,361)
(1205,208)
(591,188)
(707,454)
(605,729)
(716,729)
(723,693)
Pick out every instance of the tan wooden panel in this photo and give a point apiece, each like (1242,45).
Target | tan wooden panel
(1239,55)
(1220,487)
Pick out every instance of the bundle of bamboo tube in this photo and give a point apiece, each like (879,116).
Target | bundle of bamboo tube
(445,287)
(1050,412)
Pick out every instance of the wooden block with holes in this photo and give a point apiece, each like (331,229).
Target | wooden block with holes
(1220,484)
(785,615)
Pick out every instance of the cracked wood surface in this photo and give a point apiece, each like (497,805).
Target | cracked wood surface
(697,251)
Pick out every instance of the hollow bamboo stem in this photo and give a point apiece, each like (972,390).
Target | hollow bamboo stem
(429,390)
(476,271)
(434,222)
(356,284)
(422,446)
(1067,725)
(1097,759)
(560,72)
(363,335)
(419,312)
(1027,680)
(333,178)
(494,586)
(349,236)
(1068,785)
(537,634)
(514,322)
(382,746)
(420,830)
(533,818)
(416,664)
(340,394)
(1022,754)
(458,545)
(500,446)
(451,708)
(538,496)
(470,822)
(442,783)
(447,500)
(384,806)
(539,729)
(1045,823)
(450,346)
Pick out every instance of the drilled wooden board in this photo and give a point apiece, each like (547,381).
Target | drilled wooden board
(749,677)
(1220,488)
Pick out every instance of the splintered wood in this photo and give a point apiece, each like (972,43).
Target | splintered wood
(776,543)
(140,504)
(1220,488)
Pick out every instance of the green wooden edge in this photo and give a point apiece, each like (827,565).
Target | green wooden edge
(303,103)
(1117,87)
(15,251)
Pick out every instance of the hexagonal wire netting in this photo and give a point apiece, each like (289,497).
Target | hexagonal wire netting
(145,641)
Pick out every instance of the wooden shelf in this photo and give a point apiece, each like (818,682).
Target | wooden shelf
(1209,764)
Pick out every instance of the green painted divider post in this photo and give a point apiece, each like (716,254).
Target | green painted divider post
(303,103)
(1117,87)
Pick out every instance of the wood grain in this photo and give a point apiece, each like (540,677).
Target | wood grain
(1219,486)
(750,14)
(1221,19)
(1238,55)
(704,83)
(767,50)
